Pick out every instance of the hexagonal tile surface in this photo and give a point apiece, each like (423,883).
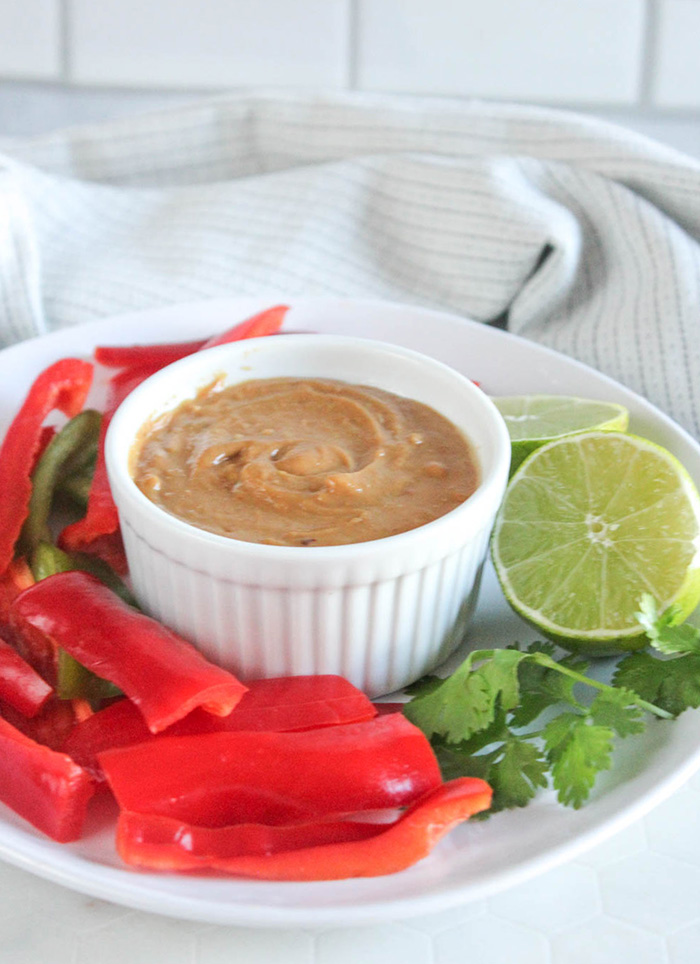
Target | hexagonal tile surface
(651,891)
(491,939)
(222,945)
(562,898)
(684,945)
(392,944)
(606,941)
(26,940)
(444,920)
(141,937)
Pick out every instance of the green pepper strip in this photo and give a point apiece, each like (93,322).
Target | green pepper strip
(74,439)
(82,461)
(75,681)
(77,473)
(77,486)
(105,573)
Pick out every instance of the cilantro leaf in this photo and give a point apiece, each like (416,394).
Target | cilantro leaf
(466,702)
(663,631)
(616,709)
(641,673)
(577,750)
(455,762)
(680,684)
(515,769)
(517,773)
(671,684)
(542,686)
(496,732)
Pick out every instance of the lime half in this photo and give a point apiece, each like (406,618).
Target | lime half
(533,420)
(588,524)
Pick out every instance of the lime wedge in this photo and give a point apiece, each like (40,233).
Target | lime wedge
(588,524)
(533,420)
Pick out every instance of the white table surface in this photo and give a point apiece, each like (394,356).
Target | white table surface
(633,900)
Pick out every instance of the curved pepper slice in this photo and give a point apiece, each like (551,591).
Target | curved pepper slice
(157,843)
(44,787)
(63,386)
(164,844)
(219,778)
(266,322)
(164,675)
(20,685)
(139,356)
(285,704)
(282,705)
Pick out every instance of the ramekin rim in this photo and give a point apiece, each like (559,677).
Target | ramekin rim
(490,489)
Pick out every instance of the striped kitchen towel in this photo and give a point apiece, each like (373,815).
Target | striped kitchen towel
(572,232)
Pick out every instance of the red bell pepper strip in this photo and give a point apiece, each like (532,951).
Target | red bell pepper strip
(13,581)
(47,434)
(266,322)
(50,727)
(164,675)
(63,386)
(158,356)
(20,685)
(44,787)
(124,382)
(117,725)
(279,705)
(157,843)
(288,703)
(164,844)
(215,779)
(145,356)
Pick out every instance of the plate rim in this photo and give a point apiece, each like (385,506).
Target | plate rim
(25,849)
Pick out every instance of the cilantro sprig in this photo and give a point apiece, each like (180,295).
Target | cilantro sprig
(671,680)
(482,720)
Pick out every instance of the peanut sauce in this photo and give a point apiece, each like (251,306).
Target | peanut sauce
(304,462)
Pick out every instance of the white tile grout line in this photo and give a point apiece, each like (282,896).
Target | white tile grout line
(650,46)
(353,41)
(65,36)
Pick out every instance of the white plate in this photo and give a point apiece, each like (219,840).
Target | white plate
(476,859)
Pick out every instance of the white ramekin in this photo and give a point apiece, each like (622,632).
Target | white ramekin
(380,613)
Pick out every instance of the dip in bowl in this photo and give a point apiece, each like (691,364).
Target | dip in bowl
(304,462)
(263,601)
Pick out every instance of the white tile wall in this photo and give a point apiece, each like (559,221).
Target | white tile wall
(209,43)
(555,50)
(30,39)
(633,55)
(677,75)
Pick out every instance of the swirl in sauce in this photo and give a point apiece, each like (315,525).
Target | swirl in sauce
(304,462)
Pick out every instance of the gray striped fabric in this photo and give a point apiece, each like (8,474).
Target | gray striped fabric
(585,236)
